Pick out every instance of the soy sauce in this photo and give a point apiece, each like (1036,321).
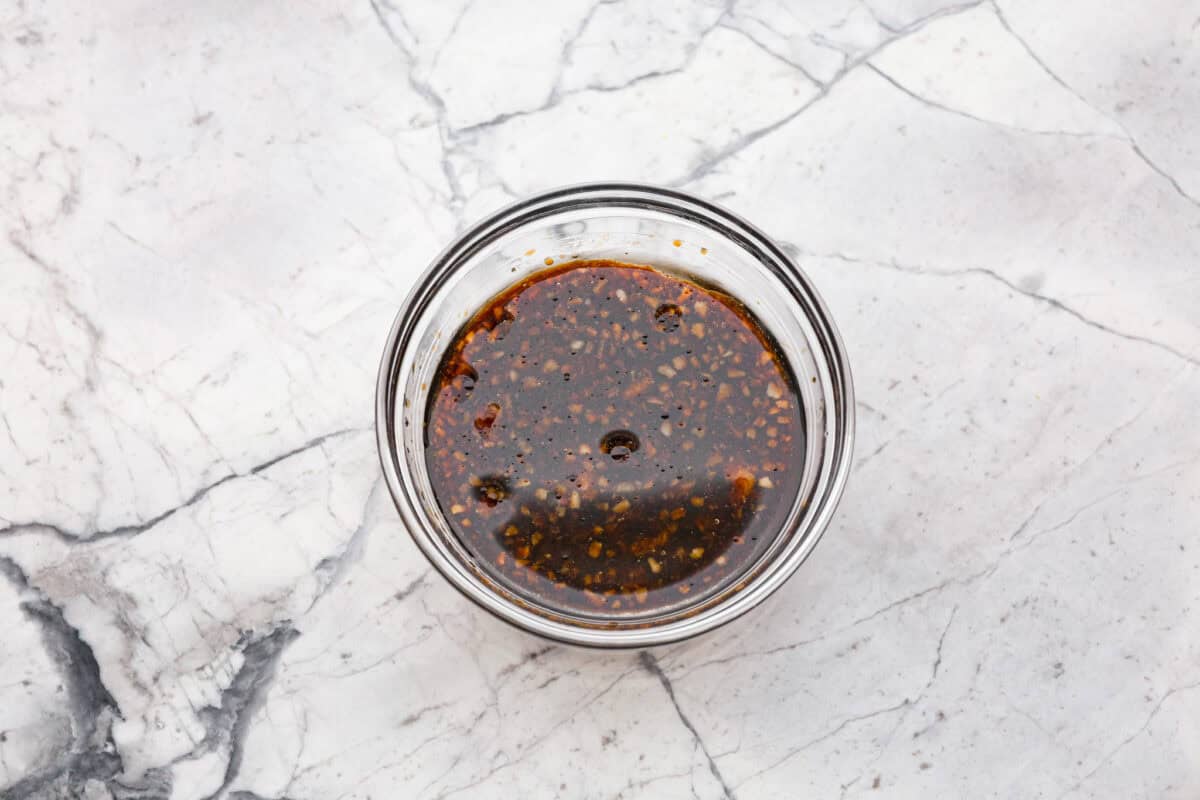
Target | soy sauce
(610,439)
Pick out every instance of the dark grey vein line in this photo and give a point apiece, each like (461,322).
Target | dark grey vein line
(650,664)
(1054,76)
(1121,746)
(847,722)
(230,721)
(777,56)
(934,104)
(995,276)
(88,698)
(556,96)
(72,537)
(1100,326)
(741,143)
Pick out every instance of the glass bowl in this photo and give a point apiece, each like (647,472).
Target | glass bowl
(637,224)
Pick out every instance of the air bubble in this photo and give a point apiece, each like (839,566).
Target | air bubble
(619,444)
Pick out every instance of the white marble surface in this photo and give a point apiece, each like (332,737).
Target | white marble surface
(212,210)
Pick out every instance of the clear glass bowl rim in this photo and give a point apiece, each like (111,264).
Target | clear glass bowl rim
(830,482)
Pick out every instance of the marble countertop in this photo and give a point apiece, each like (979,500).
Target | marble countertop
(212,211)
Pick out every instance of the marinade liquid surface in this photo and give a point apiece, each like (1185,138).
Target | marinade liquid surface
(611,439)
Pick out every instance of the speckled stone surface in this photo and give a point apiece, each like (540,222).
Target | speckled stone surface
(211,212)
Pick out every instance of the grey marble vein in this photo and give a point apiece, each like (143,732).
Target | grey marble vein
(90,755)
(650,664)
(226,724)
(991,274)
(196,497)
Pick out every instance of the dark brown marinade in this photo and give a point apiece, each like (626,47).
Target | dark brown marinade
(608,438)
